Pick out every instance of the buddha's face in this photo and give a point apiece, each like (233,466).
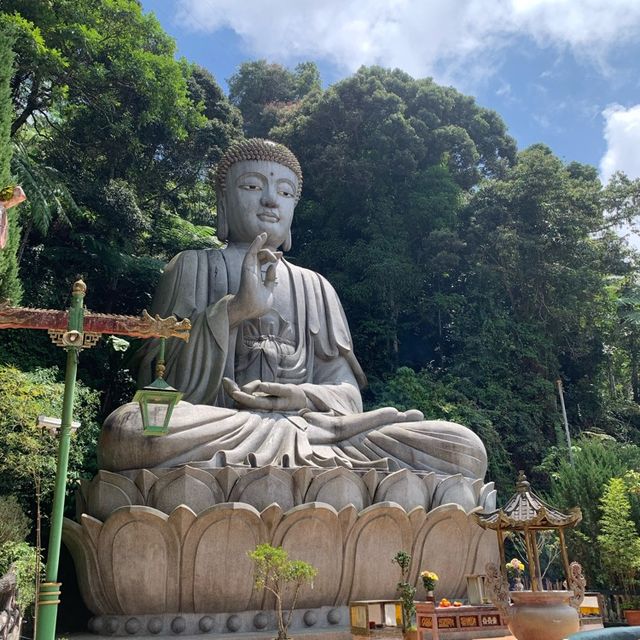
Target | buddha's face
(260,196)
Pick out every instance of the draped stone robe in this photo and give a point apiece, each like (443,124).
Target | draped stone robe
(304,340)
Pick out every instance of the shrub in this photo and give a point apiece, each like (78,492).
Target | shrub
(281,577)
(14,524)
(22,557)
(406,591)
(619,541)
(28,456)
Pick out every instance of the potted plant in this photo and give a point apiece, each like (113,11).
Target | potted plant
(429,579)
(283,578)
(631,608)
(406,595)
(515,569)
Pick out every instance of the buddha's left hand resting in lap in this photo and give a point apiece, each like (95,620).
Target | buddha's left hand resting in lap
(269,375)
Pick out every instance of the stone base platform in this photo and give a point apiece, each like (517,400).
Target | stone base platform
(325,622)
(304,634)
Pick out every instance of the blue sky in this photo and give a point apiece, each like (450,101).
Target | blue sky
(562,72)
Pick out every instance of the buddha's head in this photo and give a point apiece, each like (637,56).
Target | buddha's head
(258,184)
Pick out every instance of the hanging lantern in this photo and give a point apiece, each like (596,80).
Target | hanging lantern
(157,401)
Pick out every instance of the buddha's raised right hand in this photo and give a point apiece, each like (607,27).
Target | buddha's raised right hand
(255,295)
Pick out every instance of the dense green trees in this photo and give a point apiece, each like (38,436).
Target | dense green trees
(619,541)
(28,455)
(534,307)
(128,131)
(267,93)
(9,282)
(453,255)
(386,159)
(597,459)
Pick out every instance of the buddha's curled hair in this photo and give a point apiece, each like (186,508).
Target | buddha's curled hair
(257,149)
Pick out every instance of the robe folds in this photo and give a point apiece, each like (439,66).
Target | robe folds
(304,340)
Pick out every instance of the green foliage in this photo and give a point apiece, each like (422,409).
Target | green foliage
(28,455)
(406,591)
(6,110)
(491,293)
(283,578)
(438,396)
(14,524)
(619,541)
(114,140)
(265,93)
(23,559)
(597,459)
(384,180)
(124,136)
(534,299)
(403,560)
(9,284)
(49,197)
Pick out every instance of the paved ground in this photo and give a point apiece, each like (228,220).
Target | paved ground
(586,627)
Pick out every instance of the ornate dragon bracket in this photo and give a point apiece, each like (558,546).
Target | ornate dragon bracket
(577,584)
(94,325)
(497,588)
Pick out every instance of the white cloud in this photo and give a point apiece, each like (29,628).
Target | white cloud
(423,37)
(622,135)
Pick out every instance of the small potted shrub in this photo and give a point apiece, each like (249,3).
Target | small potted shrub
(406,595)
(283,578)
(631,608)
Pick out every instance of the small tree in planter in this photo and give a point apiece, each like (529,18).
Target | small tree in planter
(281,577)
(406,591)
(619,541)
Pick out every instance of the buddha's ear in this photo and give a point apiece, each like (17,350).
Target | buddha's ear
(286,245)
(222,227)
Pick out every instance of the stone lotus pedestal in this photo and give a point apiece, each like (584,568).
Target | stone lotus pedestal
(542,615)
(165,551)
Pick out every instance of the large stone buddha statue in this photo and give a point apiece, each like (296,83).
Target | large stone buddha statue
(269,376)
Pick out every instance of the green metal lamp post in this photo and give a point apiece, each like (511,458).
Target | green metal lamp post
(76,330)
(73,339)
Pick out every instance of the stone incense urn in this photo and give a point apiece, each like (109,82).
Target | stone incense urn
(542,615)
(537,615)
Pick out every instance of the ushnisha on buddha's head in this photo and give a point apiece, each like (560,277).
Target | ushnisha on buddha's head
(258,184)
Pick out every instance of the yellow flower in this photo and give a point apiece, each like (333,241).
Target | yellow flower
(515,565)
(430,575)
